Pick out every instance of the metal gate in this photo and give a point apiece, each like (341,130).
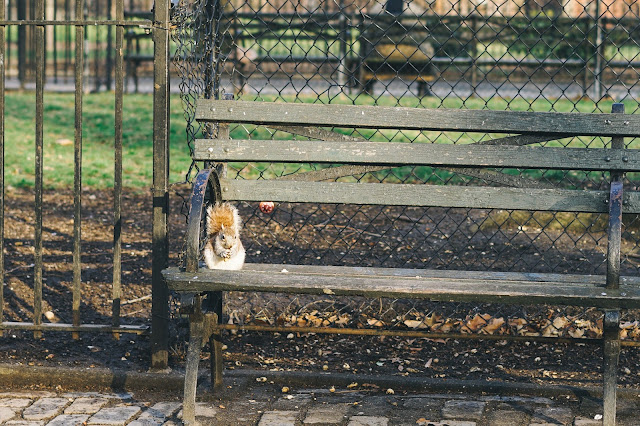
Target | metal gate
(42,42)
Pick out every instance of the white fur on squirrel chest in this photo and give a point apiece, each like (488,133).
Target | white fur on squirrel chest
(214,261)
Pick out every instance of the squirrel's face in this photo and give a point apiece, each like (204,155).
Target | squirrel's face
(226,238)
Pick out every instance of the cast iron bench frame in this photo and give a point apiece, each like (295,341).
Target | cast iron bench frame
(609,293)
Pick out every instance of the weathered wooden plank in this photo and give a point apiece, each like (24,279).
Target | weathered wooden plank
(379,272)
(471,155)
(417,195)
(376,117)
(440,289)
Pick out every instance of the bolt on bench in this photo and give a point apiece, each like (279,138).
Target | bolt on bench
(609,292)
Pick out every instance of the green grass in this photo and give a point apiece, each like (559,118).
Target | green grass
(98,140)
(98,136)
(423,173)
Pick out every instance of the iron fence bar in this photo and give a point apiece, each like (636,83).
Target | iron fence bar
(67,38)
(77,178)
(142,23)
(117,180)
(598,53)
(55,42)
(39,160)
(405,333)
(27,326)
(2,190)
(96,52)
(109,66)
(160,244)
(22,42)
(7,60)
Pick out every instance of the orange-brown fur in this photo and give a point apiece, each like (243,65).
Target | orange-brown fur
(222,215)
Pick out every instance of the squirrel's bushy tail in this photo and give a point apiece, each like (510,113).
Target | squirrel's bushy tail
(223,214)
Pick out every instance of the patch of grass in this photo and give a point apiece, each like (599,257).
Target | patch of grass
(97,143)
(98,135)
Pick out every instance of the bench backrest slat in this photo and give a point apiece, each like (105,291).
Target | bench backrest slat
(423,195)
(389,153)
(376,117)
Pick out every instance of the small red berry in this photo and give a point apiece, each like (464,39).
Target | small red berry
(266,206)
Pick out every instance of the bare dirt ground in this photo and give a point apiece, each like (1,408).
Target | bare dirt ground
(570,364)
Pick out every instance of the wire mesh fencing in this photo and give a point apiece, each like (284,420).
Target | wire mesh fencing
(534,56)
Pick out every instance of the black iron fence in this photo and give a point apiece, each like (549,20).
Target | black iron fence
(82,43)
(527,55)
(98,44)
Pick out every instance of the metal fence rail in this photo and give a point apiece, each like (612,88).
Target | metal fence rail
(99,38)
(571,57)
(69,23)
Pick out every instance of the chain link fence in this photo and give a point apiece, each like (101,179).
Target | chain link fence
(532,55)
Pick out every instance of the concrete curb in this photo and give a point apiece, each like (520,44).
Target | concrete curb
(171,381)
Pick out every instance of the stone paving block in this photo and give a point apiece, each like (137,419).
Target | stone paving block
(422,403)
(146,422)
(202,410)
(586,421)
(15,402)
(45,408)
(377,406)
(463,410)
(6,413)
(118,415)
(326,414)
(86,405)
(157,414)
(246,412)
(544,424)
(552,415)
(125,396)
(166,409)
(278,418)
(507,417)
(69,420)
(368,421)
(448,423)
(28,395)
(24,423)
(291,402)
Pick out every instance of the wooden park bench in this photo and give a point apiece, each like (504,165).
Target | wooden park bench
(609,293)
(386,53)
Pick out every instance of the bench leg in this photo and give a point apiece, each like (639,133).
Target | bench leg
(423,89)
(611,331)
(214,304)
(191,370)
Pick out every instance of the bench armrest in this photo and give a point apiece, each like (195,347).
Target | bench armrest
(206,190)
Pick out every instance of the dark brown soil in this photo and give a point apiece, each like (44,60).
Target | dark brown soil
(573,364)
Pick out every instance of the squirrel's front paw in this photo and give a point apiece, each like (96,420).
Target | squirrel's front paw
(225,254)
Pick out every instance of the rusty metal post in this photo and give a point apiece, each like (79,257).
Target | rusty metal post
(2,110)
(77,175)
(39,169)
(116,290)
(160,243)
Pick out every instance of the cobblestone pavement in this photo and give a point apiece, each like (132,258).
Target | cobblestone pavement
(264,403)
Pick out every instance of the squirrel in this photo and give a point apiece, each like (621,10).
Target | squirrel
(223,249)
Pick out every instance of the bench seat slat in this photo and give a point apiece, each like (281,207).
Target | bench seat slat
(452,287)
(376,117)
(474,155)
(421,195)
